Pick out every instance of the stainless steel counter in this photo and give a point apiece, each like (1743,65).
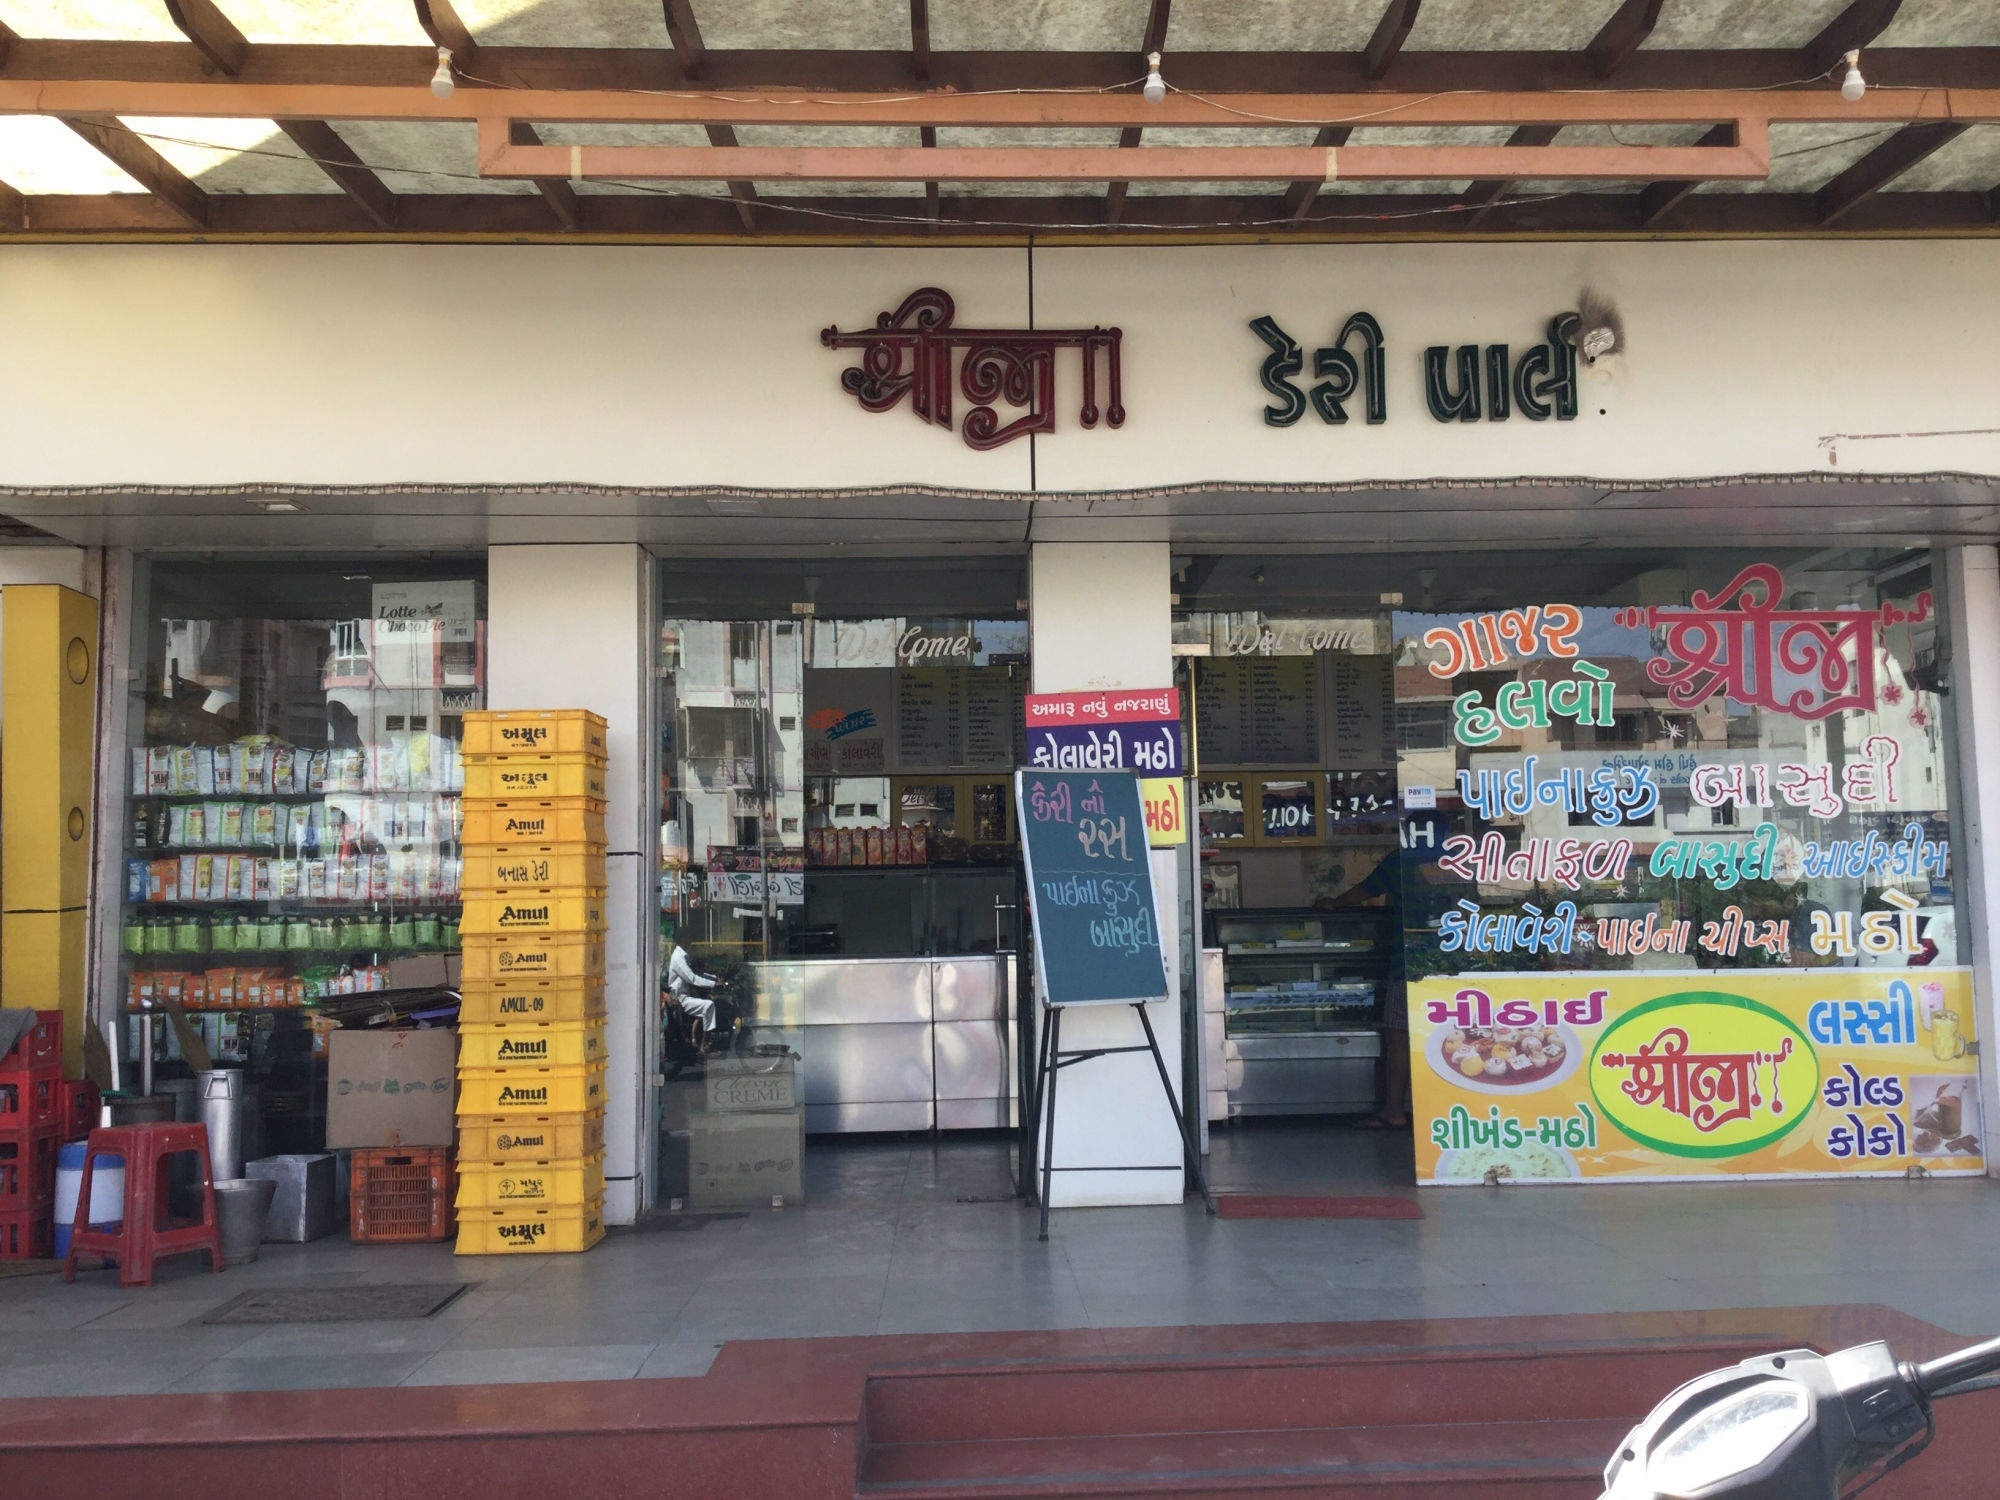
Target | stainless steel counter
(894,1043)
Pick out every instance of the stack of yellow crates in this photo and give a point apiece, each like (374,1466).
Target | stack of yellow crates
(531,1031)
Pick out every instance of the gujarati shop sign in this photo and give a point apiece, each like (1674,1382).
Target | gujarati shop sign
(1636,1077)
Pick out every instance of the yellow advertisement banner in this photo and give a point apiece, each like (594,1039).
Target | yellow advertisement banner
(1692,1074)
(1166,810)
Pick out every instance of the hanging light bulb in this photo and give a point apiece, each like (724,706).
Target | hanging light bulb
(443,85)
(1156,86)
(1853,86)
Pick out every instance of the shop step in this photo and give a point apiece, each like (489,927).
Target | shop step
(1467,1461)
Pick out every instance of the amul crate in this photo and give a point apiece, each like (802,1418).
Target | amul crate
(506,777)
(527,998)
(495,957)
(28,1235)
(531,1044)
(531,914)
(529,1231)
(543,1184)
(562,867)
(530,1091)
(569,731)
(534,820)
(493,1138)
(400,1197)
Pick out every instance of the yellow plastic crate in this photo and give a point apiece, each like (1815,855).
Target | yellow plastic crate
(571,731)
(530,1091)
(530,1137)
(495,1002)
(500,867)
(529,1231)
(531,913)
(545,1184)
(534,820)
(510,777)
(571,955)
(531,1044)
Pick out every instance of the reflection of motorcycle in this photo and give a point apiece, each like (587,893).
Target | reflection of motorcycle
(685,1046)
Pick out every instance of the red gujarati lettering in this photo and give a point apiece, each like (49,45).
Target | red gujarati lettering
(1707,1089)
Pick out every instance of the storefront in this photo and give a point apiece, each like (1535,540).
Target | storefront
(1548,696)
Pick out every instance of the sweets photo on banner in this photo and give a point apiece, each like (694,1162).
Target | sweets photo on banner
(1678,897)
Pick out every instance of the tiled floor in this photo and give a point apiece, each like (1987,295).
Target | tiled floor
(923,1236)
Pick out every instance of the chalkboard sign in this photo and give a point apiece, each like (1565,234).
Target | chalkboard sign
(1090,887)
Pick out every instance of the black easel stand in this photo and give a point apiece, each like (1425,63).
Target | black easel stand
(1054,1059)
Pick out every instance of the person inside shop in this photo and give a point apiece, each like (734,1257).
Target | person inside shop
(1383,886)
(684,983)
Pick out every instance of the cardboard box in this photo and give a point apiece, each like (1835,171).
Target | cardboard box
(738,1087)
(745,1160)
(390,1088)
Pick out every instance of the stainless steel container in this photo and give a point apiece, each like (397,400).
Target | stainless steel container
(302,1208)
(226,1102)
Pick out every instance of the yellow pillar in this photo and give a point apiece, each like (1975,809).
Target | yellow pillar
(48,719)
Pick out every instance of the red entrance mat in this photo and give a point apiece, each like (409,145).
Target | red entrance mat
(1278,1206)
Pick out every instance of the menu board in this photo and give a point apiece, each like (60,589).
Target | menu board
(1090,888)
(930,718)
(992,712)
(1358,703)
(1258,711)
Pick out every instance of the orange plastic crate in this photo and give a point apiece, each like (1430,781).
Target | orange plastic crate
(401,1196)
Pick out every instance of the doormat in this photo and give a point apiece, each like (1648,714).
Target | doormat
(1278,1206)
(337,1304)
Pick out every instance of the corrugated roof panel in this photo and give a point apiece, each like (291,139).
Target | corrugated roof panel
(1943,23)
(1271,25)
(1804,158)
(90,20)
(233,156)
(41,155)
(1969,164)
(564,23)
(1484,26)
(419,157)
(1038,25)
(870,25)
(1742,23)
(385,23)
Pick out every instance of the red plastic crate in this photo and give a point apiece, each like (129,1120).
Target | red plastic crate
(28,1171)
(401,1196)
(29,1101)
(40,1051)
(28,1236)
(78,1106)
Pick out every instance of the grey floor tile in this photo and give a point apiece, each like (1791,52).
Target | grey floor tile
(127,1375)
(516,1365)
(404,1336)
(298,1373)
(679,1359)
(530,1327)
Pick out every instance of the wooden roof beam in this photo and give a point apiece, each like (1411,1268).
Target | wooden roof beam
(1658,199)
(442,25)
(1621,36)
(1300,196)
(323,146)
(143,165)
(1882,166)
(7,40)
(556,191)
(210,30)
(920,39)
(13,208)
(1390,34)
(1154,40)
(1854,27)
(685,34)
(1480,196)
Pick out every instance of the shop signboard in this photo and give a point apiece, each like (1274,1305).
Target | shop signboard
(1133,730)
(741,875)
(1090,888)
(1687,1074)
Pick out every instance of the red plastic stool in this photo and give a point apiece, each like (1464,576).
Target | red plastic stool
(147,1232)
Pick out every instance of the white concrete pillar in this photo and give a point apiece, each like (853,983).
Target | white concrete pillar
(1972,594)
(570,627)
(1100,615)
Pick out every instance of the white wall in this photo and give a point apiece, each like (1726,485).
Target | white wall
(668,366)
(1972,582)
(1099,616)
(568,627)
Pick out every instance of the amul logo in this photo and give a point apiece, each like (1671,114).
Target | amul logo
(523,1234)
(511,916)
(511,1095)
(524,734)
(527,825)
(511,1048)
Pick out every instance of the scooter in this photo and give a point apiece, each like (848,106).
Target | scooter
(1792,1426)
